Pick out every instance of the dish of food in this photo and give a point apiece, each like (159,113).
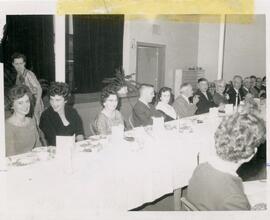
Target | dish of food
(89,145)
(170,126)
(23,159)
(40,149)
(130,139)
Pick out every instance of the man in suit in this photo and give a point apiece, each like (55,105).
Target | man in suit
(263,88)
(205,98)
(235,94)
(143,111)
(182,106)
(252,89)
(246,87)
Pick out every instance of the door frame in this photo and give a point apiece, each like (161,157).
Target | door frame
(161,61)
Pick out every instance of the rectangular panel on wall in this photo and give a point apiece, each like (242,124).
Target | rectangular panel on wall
(186,76)
(177,81)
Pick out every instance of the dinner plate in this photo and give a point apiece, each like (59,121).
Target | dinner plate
(89,146)
(169,127)
(129,134)
(85,143)
(130,139)
(94,137)
(23,159)
(44,153)
(40,149)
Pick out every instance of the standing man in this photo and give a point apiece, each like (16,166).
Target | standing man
(28,78)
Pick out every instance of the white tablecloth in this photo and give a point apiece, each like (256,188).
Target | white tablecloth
(116,178)
(256,191)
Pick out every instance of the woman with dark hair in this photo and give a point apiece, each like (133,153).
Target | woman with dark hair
(215,185)
(60,118)
(28,78)
(21,131)
(164,104)
(109,115)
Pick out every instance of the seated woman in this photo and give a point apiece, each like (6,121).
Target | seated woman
(164,105)
(60,118)
(219,97)
(215,185)
(21,131)
(109,115)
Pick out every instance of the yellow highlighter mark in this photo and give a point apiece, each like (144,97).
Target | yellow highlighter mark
(152,8)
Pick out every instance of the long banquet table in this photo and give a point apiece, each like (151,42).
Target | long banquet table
(121,176)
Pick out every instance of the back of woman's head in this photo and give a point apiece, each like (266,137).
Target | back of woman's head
(60,89)
(238,136)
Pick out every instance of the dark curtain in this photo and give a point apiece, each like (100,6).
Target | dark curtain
(32,35)
(98,45)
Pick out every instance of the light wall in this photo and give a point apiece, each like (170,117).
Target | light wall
(208,45)
(180,38)
(245,48)
(197,44)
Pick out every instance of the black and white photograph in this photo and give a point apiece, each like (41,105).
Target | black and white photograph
(115,113)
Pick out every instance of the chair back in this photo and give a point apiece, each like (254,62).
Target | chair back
(188,205)
(93,129)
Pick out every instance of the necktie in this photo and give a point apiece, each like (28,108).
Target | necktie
(205,94)
(237,99)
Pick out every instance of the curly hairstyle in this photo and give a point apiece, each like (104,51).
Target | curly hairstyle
(17,92)
(250,106)
(60,89)
(17,55)
(106,92)
(165,89)
(238,135)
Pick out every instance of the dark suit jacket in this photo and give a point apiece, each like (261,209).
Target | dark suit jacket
(142,114)
(232,96)
(204,104)
(243,92)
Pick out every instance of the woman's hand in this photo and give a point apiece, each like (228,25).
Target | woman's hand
(79,137)
(196,99)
